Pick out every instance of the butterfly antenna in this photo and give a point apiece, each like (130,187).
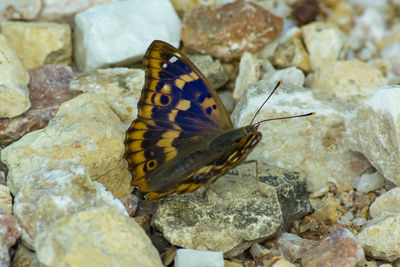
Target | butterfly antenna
(273,91)
(284,118)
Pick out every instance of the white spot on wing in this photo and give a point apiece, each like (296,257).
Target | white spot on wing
(164,65)
(173,59)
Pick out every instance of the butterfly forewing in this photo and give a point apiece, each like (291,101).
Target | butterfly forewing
(179,114)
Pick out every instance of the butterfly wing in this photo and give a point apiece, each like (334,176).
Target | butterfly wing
(178,108)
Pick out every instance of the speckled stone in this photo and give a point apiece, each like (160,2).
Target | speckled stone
(101,236)
(225,32)
(39,43)
(48,89)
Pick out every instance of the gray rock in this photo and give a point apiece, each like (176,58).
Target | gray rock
(232,214)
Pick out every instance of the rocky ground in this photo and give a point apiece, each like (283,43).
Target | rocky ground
(328,194)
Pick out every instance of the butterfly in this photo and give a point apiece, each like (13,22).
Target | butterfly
(183,137)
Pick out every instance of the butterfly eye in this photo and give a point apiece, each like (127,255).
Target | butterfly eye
(151,164)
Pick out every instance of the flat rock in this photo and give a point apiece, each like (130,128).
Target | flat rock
(14,94)
(386,204)
(99,44)
(54,191)
(249,72)
(324,43)
(212,69)
(120,87)
(339,248)
(228,30)
(373,131)
(314,145)
(97,237)
(39,43)
(48,89)
(351,80)
(380,238)
(95,140)
(232,214)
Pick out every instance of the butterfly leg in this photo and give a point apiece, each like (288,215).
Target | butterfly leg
(257,179)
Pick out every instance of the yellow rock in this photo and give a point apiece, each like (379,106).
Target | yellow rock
(39,43)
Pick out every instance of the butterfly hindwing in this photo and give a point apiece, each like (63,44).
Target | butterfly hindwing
(177,107)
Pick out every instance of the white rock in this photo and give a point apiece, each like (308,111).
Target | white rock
(290,75)
(227,99)
(324,43)
(373,131)
(198,258)
(381,237)
(5,199)
(386,204)
(120,32)
(369,182)
(14,94)
(249,72)
(314,145)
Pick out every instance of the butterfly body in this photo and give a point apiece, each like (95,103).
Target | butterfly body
(183,137)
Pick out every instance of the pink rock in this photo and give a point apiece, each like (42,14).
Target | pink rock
(9,229)
(48,89)
(225,32)
(339,248)
(292,246)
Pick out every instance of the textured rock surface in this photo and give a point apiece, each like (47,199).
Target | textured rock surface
(314,145)
(339,248)
(14,94)
(225,32)
(350,80)
(39,43)
(386,204)
(324,43)
(48,89)
(381,237)
(373,131)
(19,9)
(249,72)
(25,257)
(232,214)
(212,69)
(95,237)
(193,258)
(291,75)
(9,233)
(5,199)
(95,140)
(54,191)
(120,87)
(99,44)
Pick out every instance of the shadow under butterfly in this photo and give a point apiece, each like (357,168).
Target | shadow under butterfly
(183,137)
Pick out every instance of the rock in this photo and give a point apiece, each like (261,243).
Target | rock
(232,214)
(20,9)
(66,9)
(291,75)
(369,182)
(197,258)
(4,255)
(10,231)
(5,200)
(372,131)
(339,248)
(24,257)
(120,87)
(39,43)
(292,246)
(386,204)
(350,80)
(314,145)
(324,43)
(95,140)
(380,238)
(343,16)
(259,252)
(225,32)
(100,236)
(54,191)
(227,99)
(291,52)
(48,89)
(249,72)
(130,203)
(14,94)
(305,11)
(212,69)
(279,262)
(138,24)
